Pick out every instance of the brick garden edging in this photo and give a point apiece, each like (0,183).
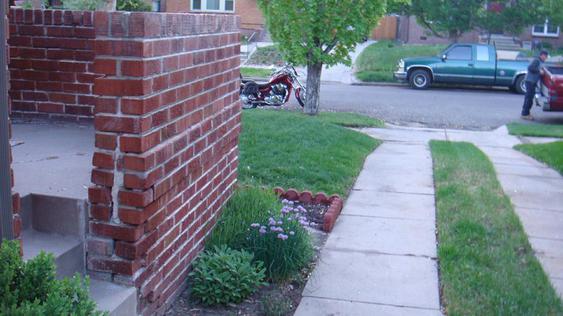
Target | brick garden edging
(334,202)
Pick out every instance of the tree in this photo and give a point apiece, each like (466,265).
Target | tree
(319,32)
(552,10)
(450,18)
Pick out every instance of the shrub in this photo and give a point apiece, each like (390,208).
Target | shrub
(246,206)
(133,5)
(83,5)
(30,288)
(282,242)
(223,276)
(284,248)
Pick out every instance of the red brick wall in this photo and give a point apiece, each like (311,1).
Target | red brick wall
(167,122)
(51,63)
(17,221)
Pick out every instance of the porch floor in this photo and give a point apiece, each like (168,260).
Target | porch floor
(52,158)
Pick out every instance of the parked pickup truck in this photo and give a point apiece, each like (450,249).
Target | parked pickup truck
(473,64)
(550,96)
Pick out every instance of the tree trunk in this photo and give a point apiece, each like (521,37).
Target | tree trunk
(314,71)
(453,36)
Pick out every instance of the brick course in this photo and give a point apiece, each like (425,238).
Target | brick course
(51,63)
(163,92)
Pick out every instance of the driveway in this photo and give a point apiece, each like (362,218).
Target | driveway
(476,109)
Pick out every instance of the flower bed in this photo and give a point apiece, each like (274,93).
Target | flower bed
(333,202)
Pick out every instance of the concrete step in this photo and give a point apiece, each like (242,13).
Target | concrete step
(68,250)
(112,298)
(58,225)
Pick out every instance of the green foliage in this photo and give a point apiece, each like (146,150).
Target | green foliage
(273,305)
(248,205)
(268,55)
(487,266)
(223,276)
(246,224)
(320,31)
(83,5)
(133,5)
(30,288)
(292,150)
(350,119)
(255,72)
(379,60)
(281,242)
(447,18)
(553,10)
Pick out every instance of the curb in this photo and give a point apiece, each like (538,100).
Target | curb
(334,202)
(379,84)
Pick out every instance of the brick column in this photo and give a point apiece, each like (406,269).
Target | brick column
(167,125)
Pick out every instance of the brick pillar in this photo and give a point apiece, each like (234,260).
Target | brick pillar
(167,125)
(17,221)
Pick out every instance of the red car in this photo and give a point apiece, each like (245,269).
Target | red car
(550,97)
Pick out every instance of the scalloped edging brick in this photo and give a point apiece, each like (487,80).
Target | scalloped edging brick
(334,202)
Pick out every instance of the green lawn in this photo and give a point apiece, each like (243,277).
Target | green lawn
(350,119)
(255,72)
(531,129)
(550,153)
(378,61)
(292,150)
(487,266)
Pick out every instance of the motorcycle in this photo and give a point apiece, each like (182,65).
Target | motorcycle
(275,92)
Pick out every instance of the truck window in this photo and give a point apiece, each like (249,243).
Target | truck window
(482,53)
(460,53)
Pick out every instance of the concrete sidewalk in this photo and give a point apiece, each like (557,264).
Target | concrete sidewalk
(535,190)
(380,257)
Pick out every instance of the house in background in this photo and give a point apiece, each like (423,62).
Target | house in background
(252,20)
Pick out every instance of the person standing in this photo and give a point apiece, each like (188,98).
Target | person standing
(534,74)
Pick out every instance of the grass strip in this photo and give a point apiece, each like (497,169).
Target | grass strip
(255,72)
(293,150)
(487,266)
(549,153)
(538,130)
(379,60)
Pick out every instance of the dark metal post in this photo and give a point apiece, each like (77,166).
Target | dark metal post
(6,216)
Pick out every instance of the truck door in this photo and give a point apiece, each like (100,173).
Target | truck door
(485,64)
(457,65)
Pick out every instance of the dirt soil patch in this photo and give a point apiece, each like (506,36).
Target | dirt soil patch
(273,299)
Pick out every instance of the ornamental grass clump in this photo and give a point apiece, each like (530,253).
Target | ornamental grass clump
(223,275)
(256,221)
(282,241)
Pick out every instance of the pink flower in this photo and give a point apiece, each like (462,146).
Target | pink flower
(254,225)
(262,230)
(282,236)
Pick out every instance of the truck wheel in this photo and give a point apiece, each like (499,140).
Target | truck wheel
(420,79)
(520,85)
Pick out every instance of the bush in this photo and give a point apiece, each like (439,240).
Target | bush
(83,5)
(268,55)
(282,242)
(30,288)
(223,276)
(273,305)
(254,220)
(133,5)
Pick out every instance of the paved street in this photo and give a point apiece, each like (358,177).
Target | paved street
(477,109)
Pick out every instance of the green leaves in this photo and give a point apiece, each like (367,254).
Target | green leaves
(223,276)
(320,31)
(30,288)
(133,5)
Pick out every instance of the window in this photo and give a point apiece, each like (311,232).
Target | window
(546,30)
(213,5)
(460,53)
(482,53)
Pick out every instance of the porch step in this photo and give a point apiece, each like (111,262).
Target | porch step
(112,298)
(59,226)
(68,250)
